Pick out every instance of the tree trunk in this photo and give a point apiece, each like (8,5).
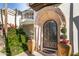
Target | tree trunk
(15,17)
(5,25)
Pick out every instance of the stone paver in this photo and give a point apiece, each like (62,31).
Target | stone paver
(22,54)
(37,53)
(2,54)
(2,44)
(28,54)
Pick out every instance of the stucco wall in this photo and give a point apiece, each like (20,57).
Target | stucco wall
(11,19)
(76,27)
(71,12)
(66,9)
(29,30)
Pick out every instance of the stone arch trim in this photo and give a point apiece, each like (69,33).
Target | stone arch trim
(50,12)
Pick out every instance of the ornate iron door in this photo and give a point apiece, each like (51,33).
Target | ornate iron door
(50,35)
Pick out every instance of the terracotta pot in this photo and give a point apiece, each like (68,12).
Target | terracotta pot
(31,45)
(65,50)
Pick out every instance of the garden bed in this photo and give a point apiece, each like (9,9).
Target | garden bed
(16,41)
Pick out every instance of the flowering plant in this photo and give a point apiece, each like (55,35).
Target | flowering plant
(64,41)
(11,26)
(63,37)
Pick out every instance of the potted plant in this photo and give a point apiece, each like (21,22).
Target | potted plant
(31,43)
(63,37)
(64,43)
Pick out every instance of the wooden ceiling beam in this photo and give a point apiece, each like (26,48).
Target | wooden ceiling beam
(38,6)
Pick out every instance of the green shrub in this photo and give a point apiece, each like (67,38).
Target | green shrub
(16,41)
(64,30)
(63,36)
(20,31)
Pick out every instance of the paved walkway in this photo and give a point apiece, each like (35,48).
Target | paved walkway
(2,54)
(22,54)
(37,53)
(28,54)
(25,54)
(2,44)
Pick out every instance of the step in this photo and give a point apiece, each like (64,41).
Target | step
(46,54)
(49,49)
(35,53)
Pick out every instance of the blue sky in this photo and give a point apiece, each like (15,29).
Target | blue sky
(19,6)
(1,5)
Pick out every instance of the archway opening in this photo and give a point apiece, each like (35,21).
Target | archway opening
(50,36)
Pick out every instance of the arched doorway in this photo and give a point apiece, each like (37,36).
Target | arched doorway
(50,36)
(48,24)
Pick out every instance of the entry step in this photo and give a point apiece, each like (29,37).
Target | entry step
(37,54)
(49,52)
(48,49)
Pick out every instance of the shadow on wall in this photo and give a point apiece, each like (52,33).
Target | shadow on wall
(71,26)
(76,22)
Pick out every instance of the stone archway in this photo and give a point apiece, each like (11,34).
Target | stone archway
(46,14)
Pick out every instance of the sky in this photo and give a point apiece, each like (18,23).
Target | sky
(19,6)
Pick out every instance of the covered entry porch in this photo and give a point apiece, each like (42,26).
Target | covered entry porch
(48,22)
